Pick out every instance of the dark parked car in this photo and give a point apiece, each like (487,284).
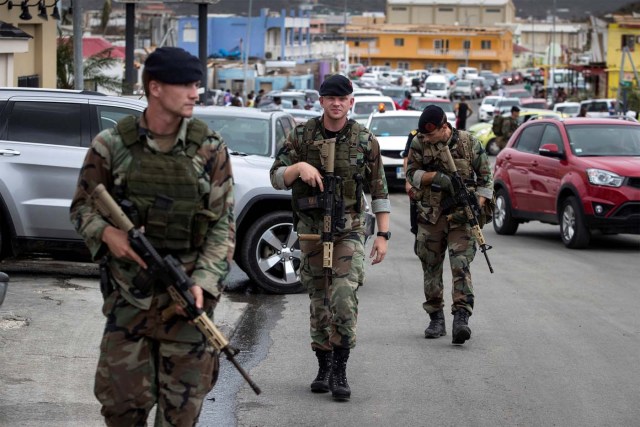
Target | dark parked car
(583,174)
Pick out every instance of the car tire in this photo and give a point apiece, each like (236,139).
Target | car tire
(271,253)
(492,147)
(503,221)
(573,229)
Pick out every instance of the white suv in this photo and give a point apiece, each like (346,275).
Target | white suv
(44,136)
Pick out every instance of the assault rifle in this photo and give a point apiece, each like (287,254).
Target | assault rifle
(332,210)
(470,204)
(169,272)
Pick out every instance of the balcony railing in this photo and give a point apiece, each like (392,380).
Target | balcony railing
(317,49)
(363,51)
(458,53)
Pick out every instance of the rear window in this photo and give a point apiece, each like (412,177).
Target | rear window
(420,104)
(242,134)
(370,107)
(604,140)
(393,126)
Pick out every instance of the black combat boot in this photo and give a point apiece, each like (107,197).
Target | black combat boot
(338,379)
(436,328)
(321,383)
(461,331)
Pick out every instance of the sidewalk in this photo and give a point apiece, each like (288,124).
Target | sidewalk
(50,330)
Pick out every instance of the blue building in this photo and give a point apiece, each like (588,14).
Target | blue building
(270,36)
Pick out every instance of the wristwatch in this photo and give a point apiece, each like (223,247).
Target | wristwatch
(385,234)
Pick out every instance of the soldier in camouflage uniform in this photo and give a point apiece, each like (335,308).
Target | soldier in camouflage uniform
(298,166)
(442,224)
(509,126)
(177,174)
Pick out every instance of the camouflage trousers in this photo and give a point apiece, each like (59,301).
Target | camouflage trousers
(433,242)
(146,361)
(501,141)
(335,325)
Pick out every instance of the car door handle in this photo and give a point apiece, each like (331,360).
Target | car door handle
(534,163)
(9,152)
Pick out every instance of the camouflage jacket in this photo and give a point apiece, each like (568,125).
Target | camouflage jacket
(419,155)
(509,126)
(374,170)
(107,162)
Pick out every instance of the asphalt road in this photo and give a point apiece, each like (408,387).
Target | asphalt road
(555,341)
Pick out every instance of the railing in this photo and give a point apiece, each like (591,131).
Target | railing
(317,49)
(363,51)
(459,53)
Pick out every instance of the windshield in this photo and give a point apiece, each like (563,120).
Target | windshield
(463,83)
(420,104)
(246,135)
(370,107)
(436,86)
(490,101)
(604,140)
(393,126)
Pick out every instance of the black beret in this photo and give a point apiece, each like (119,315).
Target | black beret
(336,85)
(432,117)
(173,65)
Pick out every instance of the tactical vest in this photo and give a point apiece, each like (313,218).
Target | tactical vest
(164,187)
(349,164)
(434,160)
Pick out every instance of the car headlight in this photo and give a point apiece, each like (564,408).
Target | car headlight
(603,177)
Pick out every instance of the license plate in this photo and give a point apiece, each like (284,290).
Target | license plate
(400,172)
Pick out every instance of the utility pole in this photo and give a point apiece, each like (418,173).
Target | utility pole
(346,47)
(247,47)
(78,66)
(553,53)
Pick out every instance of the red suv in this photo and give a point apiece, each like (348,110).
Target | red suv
(581,173)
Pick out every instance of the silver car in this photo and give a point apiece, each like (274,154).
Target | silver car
(44,137)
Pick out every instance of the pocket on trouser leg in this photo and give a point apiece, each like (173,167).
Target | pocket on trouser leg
(123,367)
(186,374)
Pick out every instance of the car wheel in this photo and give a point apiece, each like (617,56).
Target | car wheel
(574,232)
(503,221)
(492,147)
(271,254)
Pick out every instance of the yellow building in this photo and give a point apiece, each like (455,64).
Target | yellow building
(37,65)
(413,46)
(624,31)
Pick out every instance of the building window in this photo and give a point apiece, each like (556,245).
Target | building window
(398,42)
(485,44)
(403,65)
(400,9)
(493,10)
(466,44)
(628,40)
(357,43)
(445,9)
(441,46)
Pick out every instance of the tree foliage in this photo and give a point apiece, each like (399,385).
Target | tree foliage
(94,68)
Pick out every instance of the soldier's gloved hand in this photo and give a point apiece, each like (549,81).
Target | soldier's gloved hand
(443,181)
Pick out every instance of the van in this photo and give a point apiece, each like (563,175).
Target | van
(467,73)
(437,85)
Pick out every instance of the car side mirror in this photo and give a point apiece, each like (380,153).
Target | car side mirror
(551,150)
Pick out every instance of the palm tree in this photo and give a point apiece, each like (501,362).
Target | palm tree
(94,67)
